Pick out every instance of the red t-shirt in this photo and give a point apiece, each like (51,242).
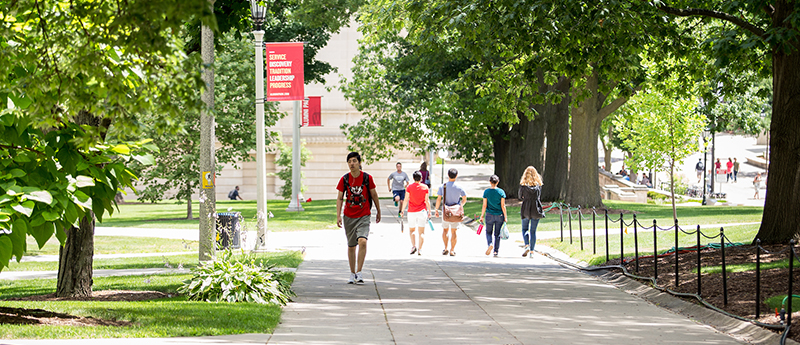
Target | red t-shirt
(417,192)
(356,202)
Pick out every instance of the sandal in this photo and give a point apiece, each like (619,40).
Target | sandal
(452,253)
(444,252)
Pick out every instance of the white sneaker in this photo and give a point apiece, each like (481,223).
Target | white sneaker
(352,279)
(359,278)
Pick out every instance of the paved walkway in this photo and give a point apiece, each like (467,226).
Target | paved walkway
(465,299)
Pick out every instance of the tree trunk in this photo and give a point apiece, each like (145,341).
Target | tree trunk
(189,207)
(556,167)
(781,221)
(502,160)
(583,185)
(608,149)
(75,260)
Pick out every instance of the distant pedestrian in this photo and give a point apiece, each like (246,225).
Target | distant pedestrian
(233,194)
(357,193)
(729,170)
(452,194)
(717,167)
(494,207)
(757,185)
(426,175)
(419,211)
(646,181)
(397,182)
(530,191)
(699,169)
(735,170)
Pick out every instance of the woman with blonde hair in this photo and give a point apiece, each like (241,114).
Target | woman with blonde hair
(530,191)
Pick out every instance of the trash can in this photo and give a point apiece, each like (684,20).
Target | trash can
(229,229)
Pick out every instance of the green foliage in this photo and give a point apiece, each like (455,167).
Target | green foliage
(231,279)
(656,196)
(48,183)
(777,302)
(178,159)
(284,159)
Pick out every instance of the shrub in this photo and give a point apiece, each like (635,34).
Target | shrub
(243,279)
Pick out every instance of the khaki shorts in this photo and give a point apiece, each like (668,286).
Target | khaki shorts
(418,219)
(450,225)
(355,228)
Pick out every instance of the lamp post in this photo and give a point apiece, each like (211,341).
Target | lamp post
(705,165)
(443,156)
(258,13)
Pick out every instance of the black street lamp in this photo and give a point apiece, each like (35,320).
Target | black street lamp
(258,11)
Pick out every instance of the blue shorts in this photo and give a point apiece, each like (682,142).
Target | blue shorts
(400,193)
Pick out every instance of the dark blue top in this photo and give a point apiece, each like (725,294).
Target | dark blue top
(493,196)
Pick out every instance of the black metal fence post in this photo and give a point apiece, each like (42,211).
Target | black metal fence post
(636,242)
(758,278)
(605,213)
(621,240)
(699,270)
(677,281)
(569,219)
(580,225)
(791,279)
(655,252)
(724,269)
(594,231)
(561,216)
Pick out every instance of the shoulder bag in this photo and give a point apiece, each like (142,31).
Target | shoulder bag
(453,213)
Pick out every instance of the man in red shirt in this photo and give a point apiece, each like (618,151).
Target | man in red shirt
(419,206)
(360,194)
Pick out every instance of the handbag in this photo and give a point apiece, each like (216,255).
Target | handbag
(453,213)
(504,232)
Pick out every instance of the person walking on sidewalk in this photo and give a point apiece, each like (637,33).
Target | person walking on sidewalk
(735,170)
(419,206)
(426,175)
(530,190)
(699,169)
(757,185)
(357,193)
(455,195)
(397,182)
(729,171)
(494,207)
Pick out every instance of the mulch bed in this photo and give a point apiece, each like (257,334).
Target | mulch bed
(741,285)
(20,316)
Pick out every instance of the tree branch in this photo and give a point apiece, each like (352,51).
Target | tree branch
(687,12)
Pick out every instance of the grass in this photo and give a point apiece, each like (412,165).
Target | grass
(170,317)
(118,245)
(318,214)
(665,241)
(187,261)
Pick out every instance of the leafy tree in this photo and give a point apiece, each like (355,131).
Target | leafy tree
(284,159)
(762,37)
(79,71)
(235,117)
(661,133)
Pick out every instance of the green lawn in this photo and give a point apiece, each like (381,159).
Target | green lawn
(170,317)
(318,214)
(187,261)
(119,245)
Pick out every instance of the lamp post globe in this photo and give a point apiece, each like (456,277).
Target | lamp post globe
(259,11)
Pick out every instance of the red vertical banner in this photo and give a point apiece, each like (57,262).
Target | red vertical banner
(285,71)
(312,111)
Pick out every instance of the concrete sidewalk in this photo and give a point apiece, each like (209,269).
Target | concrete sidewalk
(469,298)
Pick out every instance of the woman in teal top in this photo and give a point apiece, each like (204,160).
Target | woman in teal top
(494,207)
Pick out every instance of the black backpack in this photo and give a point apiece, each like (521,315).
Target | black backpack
(346,180)
(230,194)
